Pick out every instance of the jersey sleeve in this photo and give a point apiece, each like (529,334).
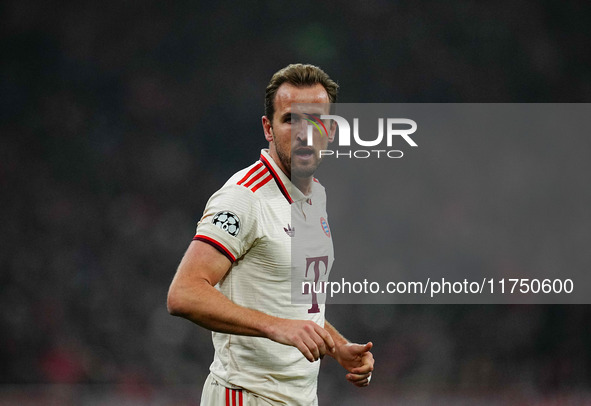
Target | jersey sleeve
(230,221)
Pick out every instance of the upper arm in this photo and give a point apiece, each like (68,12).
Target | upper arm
(202,266)
(203,261)
(226,231)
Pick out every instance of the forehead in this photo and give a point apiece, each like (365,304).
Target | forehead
(288,94)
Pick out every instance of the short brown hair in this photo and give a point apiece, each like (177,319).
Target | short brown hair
(298,75)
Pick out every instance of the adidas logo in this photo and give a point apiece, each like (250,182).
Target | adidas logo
(289,231)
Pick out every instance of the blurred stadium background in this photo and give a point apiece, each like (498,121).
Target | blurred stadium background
(120,118)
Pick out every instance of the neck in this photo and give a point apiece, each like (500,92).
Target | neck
(303,184)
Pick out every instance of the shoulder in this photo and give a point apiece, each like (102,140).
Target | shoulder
(243,193)
(250,179)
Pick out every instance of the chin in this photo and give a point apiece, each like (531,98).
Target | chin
(303,172)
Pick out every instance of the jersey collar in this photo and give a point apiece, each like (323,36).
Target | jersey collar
(284,184)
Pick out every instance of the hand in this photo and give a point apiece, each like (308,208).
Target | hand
(312,340)
(356,359)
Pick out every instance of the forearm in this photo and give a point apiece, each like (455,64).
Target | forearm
(337,337)
(204,305)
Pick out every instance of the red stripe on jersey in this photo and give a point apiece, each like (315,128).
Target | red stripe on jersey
(253,170)
(316,180)
(262,183)
(240,397)
(234,397)
(215,244)
(254,178)
(277,179)
(228,397)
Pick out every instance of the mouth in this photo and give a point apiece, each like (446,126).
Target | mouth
(304,152)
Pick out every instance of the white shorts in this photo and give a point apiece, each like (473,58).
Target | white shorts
(215,394)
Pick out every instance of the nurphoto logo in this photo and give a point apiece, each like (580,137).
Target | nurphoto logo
(391,127)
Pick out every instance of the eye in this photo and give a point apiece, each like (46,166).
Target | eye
(292,118)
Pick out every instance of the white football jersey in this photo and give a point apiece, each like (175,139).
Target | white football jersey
(272,233)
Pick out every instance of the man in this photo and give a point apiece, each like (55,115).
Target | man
(235,278)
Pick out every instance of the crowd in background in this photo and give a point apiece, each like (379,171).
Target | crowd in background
(119,119)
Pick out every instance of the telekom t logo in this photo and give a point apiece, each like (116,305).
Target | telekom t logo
(345,130)
(316,261)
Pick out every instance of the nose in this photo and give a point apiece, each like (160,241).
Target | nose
(302,131)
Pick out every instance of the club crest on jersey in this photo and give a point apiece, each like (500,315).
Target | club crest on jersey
(227,221)
(325,227)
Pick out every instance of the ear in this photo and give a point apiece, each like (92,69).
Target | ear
(267,129)
(333,131)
